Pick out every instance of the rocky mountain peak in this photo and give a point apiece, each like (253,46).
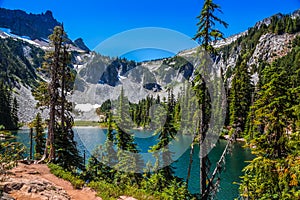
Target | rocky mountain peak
(49,14)
(35,26)
(80,44)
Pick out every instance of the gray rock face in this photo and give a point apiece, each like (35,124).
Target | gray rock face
(271,47)
(27,105)
(38,26)
(80,44)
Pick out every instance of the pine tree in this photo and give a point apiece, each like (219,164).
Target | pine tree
(204,105)
(279,28)
(68,155)
(240,98)
(206,26)
(110,158)
(10,151)
(166,133)
(128,155)
(53,95)
(40,140)
(14,113)
(274,173)
(8,118)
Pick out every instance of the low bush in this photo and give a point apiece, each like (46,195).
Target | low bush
(66,175)
(109,191)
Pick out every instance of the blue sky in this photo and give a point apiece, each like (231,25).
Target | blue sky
(98,20)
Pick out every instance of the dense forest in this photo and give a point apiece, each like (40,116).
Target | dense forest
(8,108)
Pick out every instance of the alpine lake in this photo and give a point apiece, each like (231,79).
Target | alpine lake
(88,138)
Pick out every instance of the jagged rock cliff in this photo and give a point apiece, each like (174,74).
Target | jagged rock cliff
(34,26)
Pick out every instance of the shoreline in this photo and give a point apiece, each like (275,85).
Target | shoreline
(227,137)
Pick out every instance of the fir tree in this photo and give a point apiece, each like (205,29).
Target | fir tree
(166,133)
(109,155)
(240,98)
(274,173)
(128,154)
(8,112)
(10,151)
(14,113)
(204,105)
(40,140)
(206,26)
(53,95)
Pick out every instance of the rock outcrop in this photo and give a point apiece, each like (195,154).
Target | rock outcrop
(33,189)
(38,26)
(80,44)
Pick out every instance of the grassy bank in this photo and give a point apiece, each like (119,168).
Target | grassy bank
(89,123)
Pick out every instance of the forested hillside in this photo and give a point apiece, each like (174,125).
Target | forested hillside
(19,62)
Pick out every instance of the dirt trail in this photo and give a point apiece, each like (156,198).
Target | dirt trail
(40,172)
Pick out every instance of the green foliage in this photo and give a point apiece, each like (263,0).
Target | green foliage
(60,146)
(272,179)
(140,113)
(240,97)
(15,64)
(206,31)
(104,158)
(74,179)
(40,139)
(109,182)
(274,174)
(175,190)
(10,151)
(284,24)
(8,108)
(104,109)
(86,123)
(109,191)
(166,133)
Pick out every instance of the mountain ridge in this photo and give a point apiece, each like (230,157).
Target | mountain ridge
(37,27)
(100,77)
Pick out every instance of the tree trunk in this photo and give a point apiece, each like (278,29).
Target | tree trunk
(190,164)
(53,89)
(203,145)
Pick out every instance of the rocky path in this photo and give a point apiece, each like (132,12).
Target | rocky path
(35,182)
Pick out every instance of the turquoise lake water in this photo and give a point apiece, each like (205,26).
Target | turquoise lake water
(89,138)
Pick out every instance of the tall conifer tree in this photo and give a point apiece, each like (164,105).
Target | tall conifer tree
(53,95)
(206,26)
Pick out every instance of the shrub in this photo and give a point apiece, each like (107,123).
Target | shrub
(66,175)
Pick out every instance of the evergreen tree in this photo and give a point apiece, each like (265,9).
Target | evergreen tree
(166,133)
(53,95)
(206,25)
(129,159)
(274,173)
(8,112)
(104,158)
(10,151)
(240,98)
(14,113)
(204,104)
(110,157)
(279,28)
(40,140)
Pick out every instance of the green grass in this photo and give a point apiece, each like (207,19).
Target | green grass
(109,191)
(66,175)
(87,123)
